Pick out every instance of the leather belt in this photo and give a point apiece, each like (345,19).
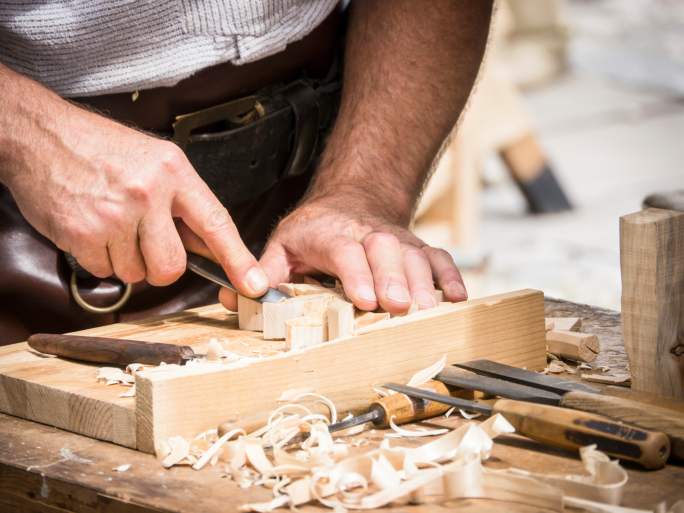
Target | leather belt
(258,141)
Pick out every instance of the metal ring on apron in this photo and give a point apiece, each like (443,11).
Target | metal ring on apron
(95,309)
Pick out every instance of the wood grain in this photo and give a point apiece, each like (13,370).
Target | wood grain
(65,394)
(508,328)
(652,261)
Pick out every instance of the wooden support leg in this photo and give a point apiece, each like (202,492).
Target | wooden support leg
(652,261)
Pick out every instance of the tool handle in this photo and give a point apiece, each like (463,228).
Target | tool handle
(671,403)
(638,414)
(107,350)
(569,429)
(407,409)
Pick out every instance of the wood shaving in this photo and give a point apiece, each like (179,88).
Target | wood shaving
(422,377)
(448,468)
(122,468)
(469,416)
(134,367)
(449,412)
(406,432)
(215,348)
(555,368)
(129,393)
(113,376)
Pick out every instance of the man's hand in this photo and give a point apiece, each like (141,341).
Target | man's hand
(119,201)
(379,263)
(408,73)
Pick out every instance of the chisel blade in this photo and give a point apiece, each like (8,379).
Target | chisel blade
(457,402)
(524,377)
(214,272)
(505,389)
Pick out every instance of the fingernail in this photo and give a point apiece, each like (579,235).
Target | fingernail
(456,287)
(424,300)
(367,293)
(257,280)
(397,293)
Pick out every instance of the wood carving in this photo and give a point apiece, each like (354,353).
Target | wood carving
(582,347)
(508,328)
(652,262)
(367,318)
(340,318)
(276,314)
(250,314)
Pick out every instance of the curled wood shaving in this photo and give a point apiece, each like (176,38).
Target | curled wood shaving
(134,367)
(469,416)
(448,468)
(179,450)
(422,377)
(449,412)
(113,376)
(122,468)
(406,432)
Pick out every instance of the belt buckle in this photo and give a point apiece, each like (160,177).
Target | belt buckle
(187,122)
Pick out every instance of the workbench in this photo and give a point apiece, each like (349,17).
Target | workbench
(49,470)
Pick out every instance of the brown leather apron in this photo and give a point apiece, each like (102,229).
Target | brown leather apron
(35,275)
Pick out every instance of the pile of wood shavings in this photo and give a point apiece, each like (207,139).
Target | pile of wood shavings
(451,467)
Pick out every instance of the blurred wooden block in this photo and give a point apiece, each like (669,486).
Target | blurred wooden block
(652,262)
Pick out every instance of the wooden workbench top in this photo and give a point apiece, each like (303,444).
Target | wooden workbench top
(47,469)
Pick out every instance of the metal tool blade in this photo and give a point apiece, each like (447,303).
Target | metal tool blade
(422,393)
(339,426)
(214,272)
(524,377)
(505,389)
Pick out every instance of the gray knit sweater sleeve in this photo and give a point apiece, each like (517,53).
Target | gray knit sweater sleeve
(90,47)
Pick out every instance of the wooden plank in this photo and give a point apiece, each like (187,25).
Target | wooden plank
(508,328)
(652,261)
(64,393)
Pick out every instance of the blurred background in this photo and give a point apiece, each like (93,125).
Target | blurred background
(578,116)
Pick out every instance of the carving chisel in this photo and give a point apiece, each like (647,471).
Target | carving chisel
(214,272)
(401,408)
(645,412)
(567,429)
(113,351)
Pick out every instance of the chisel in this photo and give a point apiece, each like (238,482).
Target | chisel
(567,429)
(401,408)
(509,382)
(214,272)
(114,351)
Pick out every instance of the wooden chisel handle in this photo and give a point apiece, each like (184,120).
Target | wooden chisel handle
(671,403)
(569,429)
(107,350)
(643,415)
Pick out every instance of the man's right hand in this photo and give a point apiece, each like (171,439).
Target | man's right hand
(121,202)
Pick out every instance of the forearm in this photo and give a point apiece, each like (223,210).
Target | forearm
(408,73)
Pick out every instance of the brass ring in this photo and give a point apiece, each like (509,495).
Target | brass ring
(95,309)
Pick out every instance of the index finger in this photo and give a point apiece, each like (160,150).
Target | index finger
(204,215)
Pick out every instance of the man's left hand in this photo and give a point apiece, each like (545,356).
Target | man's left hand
(379,263)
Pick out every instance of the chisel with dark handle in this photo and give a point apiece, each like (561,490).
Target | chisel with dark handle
(108,350)
(564,428)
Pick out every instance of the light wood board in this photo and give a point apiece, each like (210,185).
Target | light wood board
(508,328)
(652,262)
